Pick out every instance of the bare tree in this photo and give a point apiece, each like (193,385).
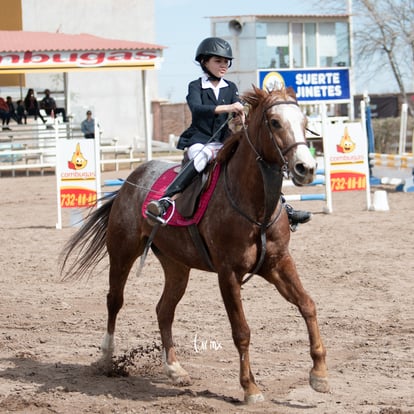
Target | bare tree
(383,38)
(385,30)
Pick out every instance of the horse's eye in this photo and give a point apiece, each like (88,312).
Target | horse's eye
(275,124)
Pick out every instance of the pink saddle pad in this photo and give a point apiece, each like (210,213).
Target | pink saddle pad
(161,184)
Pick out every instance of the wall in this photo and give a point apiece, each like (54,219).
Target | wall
(169,119)
(10,19)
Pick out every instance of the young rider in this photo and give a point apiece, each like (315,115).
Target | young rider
(210,98)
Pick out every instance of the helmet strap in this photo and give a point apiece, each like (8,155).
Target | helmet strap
(211,77)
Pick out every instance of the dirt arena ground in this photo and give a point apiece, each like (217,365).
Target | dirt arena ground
(357,265)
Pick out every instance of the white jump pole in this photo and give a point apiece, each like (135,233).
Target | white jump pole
(403,129)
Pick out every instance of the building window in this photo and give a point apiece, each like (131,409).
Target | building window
(333,44)
(310,45)
(342,38)
(277,43)
(297,45)
(327,44)
(302,45)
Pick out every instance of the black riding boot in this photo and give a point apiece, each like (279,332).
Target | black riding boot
(296,216)
(157,208)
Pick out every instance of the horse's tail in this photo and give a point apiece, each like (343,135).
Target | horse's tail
(88,244)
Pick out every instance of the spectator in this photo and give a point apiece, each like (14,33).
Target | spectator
(21,112)
(88,126)
(49,105)
(12,108)
(4,115)
(32,106)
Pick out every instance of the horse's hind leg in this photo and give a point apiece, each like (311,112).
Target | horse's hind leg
(176,279)
(287,282)
(121,259)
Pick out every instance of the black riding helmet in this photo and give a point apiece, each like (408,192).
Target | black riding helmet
(214,46)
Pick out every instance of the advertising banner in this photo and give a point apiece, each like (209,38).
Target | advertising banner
(77,173)
(347,153)
(346,159)
(310,85)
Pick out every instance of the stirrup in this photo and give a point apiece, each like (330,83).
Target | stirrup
(153,219)
(162,205)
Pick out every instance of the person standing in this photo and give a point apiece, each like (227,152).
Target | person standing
(88,126)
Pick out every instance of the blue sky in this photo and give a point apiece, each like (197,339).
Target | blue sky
(182,24)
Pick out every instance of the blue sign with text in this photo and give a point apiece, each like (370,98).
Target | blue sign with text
(310,85)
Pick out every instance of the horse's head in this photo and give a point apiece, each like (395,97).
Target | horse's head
(276,130)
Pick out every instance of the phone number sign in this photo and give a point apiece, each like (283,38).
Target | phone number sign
(348,181)
(72,197)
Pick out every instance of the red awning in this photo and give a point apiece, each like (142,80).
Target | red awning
(25,52)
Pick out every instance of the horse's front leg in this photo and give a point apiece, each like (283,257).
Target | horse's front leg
(176,279)
(287,282)
(230,291)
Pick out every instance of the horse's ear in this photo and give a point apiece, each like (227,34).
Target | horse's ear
(256,89)
(291,92)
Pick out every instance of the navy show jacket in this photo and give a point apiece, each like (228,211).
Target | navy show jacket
(205,123)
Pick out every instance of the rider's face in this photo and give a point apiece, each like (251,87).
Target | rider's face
(218,66)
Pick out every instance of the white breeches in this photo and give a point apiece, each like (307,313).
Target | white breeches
(202,154)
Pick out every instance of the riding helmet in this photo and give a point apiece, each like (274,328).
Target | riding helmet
(214,46)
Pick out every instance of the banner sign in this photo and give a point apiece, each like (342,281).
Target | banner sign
(346,150)
(77,173)
(11,62)
(310,85)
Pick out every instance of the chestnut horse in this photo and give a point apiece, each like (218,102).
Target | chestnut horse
(246,202)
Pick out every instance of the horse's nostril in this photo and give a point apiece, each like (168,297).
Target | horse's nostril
(300,169)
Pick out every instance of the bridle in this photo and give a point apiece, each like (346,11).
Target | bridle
(280,153)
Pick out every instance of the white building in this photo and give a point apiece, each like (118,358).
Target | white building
(115,97)
(295,47)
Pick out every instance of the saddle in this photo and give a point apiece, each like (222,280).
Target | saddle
(188,201)
(192,203)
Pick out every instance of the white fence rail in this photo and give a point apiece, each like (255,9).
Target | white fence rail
(32,148)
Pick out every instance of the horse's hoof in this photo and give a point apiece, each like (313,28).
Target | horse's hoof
(319,384)
(181,381)
(177,374)
(103,365)
(254,398)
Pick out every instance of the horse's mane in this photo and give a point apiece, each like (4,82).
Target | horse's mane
(229,147)
(257,100)
(261,98)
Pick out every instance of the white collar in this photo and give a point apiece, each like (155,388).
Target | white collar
(206,83)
